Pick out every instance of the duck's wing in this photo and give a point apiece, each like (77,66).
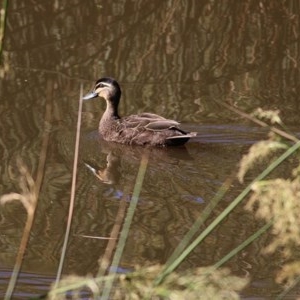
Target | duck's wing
(149,121)
(152,129)
(161,125)
(151,116)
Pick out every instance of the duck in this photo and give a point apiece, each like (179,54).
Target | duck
(145,129)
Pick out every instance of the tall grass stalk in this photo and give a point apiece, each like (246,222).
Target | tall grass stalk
(3,17)
(31,190)
(72,197)
(224,214)
(127,223)
(28,198)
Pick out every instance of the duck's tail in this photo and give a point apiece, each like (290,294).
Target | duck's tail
(179,140)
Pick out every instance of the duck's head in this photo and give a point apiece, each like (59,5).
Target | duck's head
(107,88)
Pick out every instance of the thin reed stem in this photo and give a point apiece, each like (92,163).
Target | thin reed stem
(72,197)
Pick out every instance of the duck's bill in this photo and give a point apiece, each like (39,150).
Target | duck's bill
(90,96)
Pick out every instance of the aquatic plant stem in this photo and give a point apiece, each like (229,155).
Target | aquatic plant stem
(225,213)
(127,223)
(72,197)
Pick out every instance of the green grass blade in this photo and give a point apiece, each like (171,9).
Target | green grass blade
(225,213)
(200,221)
(240,247)
(127,223)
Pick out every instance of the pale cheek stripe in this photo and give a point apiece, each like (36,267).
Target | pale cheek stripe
(102,83)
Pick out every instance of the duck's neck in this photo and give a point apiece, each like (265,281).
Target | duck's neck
(111,111)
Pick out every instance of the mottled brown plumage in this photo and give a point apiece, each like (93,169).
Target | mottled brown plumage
(146,129)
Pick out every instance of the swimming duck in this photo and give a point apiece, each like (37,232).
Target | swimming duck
(145,129)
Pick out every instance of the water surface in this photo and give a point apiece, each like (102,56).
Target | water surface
(172,58)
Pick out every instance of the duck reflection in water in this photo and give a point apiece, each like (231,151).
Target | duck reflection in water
(122,160)
(146,129)
(109,174)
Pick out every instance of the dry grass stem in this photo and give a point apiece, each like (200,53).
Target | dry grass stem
(257,153)
(28,198)
(76,284)
(289,272)
(279,199)
(28,190)
(73,189)
(95,237)
(244,115)
(200,283)
(271,115)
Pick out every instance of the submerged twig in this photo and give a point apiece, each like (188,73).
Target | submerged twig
(94,237)
(259,122)
(72,197)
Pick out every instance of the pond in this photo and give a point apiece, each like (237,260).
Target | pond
(178,59)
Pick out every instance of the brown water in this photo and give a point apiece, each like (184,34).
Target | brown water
(174,58)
